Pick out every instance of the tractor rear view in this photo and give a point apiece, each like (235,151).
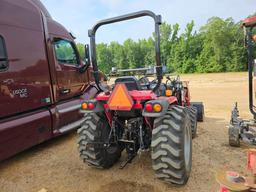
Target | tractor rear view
(137,115)
(240,129)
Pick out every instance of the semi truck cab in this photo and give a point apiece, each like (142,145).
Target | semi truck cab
(41,81)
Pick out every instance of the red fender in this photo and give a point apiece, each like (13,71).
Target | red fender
(170,100)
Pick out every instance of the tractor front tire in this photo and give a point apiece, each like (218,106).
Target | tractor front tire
(193,118)
(94,132)
(172,146)
(200,110)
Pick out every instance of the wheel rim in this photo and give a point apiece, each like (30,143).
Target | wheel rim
(187,148)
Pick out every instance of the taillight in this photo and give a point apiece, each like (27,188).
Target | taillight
(87,106)
(90,106)
(157,107)
(152,108)
(149,107)
(84,106)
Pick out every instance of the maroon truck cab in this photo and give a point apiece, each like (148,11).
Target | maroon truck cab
(41,84)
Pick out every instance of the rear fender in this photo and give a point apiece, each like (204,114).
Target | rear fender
(170,100)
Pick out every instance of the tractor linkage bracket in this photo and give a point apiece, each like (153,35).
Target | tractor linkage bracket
(130,157)
(128,160)
(102,145)
(97,144)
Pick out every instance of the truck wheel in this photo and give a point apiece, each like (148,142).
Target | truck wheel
(233,135)
(193,118)
(95,131)
(200,110)
(172,146)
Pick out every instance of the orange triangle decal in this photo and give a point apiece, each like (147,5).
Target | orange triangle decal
(120,99)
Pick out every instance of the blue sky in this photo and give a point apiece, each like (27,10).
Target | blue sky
(80,15)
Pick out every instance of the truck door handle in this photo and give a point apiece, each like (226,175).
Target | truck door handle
(64,91)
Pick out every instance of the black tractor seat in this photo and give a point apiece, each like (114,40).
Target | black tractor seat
(130,82)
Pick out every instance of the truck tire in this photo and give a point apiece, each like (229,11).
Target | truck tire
(193,118)
(95,132)
(172,146)
(200,110)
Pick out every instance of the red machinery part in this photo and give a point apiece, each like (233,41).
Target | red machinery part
(251,160)
(223,189)
(231,181)
(135,94)
(250,22)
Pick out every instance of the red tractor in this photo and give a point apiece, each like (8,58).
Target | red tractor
(241,129)
(138,115)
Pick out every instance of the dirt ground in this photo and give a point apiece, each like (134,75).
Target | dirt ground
(55,165)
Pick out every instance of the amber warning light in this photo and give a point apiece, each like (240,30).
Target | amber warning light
(120,99)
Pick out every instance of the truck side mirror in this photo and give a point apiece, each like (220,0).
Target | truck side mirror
(87,60)
(87,54)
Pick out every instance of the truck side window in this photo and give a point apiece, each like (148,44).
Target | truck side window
(3,55)
(65,52)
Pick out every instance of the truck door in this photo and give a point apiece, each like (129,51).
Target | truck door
(70,81)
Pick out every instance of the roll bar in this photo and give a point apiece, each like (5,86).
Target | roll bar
(251,63)
(92,33)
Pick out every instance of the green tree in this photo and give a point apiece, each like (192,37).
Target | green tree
(81,49)
(217,47)
(104,58)
(223,48)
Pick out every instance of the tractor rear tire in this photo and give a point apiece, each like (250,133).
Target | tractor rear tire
(200,110)
(95,132)
(193,118)
(172,146)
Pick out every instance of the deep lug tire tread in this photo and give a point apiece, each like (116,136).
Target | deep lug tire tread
(167,146)
(93,129)
(193,118)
